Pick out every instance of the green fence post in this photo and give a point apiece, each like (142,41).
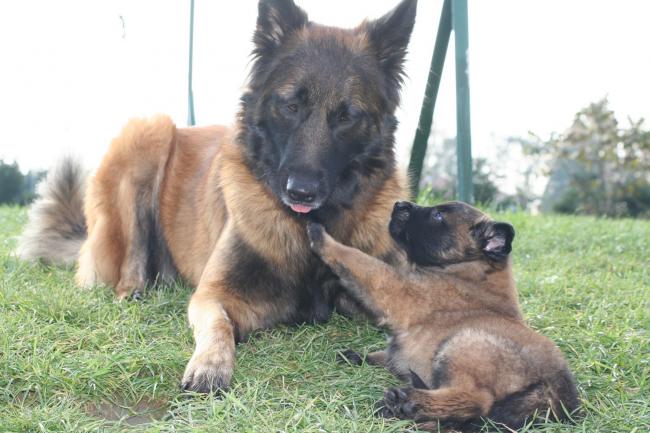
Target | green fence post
(419,148)
(463,130)
(190,92)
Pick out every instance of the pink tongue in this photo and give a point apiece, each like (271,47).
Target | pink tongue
(300,208)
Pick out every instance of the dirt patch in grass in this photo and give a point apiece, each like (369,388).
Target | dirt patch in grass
(142,412)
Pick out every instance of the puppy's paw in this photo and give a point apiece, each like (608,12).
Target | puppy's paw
(382,411)
(349,356)
(316,233)
(400,402)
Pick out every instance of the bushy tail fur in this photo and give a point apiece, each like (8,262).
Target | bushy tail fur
(56,225)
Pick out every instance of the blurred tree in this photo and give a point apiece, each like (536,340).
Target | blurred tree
(485,188)
(16,188)
(596,167)
(439,176)
(31,179)
(11,183)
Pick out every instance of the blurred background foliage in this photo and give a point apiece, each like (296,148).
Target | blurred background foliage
(595,167)
(16,187)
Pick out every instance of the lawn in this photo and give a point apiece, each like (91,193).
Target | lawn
(75,360)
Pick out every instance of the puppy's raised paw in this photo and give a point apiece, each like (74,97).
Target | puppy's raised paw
(316,233)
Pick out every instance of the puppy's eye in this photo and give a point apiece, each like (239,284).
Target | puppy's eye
(344,116)
(292,108)
(437,216)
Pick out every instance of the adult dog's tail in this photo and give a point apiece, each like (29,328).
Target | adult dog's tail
(57,227)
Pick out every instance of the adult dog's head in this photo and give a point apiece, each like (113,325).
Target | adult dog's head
(318,116)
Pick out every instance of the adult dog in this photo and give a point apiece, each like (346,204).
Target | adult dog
(226,208)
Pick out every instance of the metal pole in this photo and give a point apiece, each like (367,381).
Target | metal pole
(419,149)
(463,128)
(190,93)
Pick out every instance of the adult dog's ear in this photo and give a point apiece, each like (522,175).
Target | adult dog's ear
(276,20)
(389,36)
(497,240)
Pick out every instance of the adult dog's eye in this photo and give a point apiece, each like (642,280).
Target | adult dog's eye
(345,116)
(437,216)
(292,108)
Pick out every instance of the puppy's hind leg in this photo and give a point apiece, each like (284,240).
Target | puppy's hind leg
(379,358)
(455,403)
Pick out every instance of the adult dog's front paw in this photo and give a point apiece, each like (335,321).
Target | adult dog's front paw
(316,233)
(208,372)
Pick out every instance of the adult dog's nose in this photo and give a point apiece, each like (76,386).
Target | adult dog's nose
(302,190)
(402,205)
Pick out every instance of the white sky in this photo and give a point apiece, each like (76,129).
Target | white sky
(71,75)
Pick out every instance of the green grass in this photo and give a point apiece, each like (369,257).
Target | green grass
(75,360)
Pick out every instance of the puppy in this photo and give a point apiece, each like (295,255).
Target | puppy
(457,330)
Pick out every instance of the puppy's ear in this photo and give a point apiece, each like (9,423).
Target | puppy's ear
(276,20)
(497,240)
(390,36)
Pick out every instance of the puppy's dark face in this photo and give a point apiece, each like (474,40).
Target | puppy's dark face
(449,233)
(319,113)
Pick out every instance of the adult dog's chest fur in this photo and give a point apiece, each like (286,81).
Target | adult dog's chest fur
(266,249)
(298,290)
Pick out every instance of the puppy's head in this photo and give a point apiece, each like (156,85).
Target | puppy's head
(449,233)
